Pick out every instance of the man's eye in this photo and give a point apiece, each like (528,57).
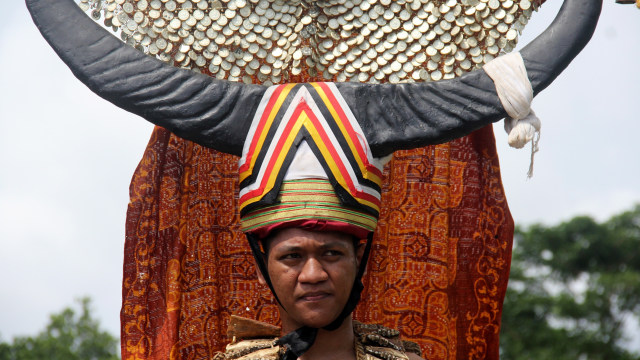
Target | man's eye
(290,256)
(333,253)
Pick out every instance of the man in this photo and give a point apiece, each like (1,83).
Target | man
(312,273)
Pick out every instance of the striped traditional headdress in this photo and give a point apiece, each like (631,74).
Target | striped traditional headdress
(306,162)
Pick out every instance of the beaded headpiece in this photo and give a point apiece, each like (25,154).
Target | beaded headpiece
(276,41)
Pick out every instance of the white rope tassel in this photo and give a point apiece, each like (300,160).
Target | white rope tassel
(515,92)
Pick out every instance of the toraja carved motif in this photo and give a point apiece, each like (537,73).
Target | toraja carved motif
(438,270)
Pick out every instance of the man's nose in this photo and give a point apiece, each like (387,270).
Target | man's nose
(313,272)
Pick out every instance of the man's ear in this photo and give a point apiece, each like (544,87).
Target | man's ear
(360,252)
(261,279)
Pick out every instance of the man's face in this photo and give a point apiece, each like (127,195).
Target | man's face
(312,273)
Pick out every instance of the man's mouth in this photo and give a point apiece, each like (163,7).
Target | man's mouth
(314,296)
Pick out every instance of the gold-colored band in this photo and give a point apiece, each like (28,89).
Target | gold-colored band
(307,199)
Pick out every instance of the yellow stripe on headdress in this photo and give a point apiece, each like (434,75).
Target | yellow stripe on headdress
(315,113)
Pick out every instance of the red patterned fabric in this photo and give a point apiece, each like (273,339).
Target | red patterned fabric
(438,269)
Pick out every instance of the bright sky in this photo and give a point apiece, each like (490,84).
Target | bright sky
(67,156)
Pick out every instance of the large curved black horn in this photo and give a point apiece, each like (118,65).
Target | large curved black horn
(407,116)
(552,51)
(194,106)
(217,114)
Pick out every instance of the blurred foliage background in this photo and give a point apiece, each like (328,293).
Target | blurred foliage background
(71,334)
(574,291)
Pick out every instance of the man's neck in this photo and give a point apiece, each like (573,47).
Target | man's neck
(336,344)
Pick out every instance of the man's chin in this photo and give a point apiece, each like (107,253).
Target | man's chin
(316,318)
(319,324)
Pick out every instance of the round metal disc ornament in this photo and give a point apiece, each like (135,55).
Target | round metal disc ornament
(329,40)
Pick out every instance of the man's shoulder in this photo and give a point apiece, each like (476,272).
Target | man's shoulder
(252,339)
(252,349)
(375,341)
(372,342)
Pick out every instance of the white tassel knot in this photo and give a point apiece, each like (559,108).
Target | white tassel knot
(515,92)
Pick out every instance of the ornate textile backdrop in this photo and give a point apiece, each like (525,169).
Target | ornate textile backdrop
(440,262)
(438,270)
